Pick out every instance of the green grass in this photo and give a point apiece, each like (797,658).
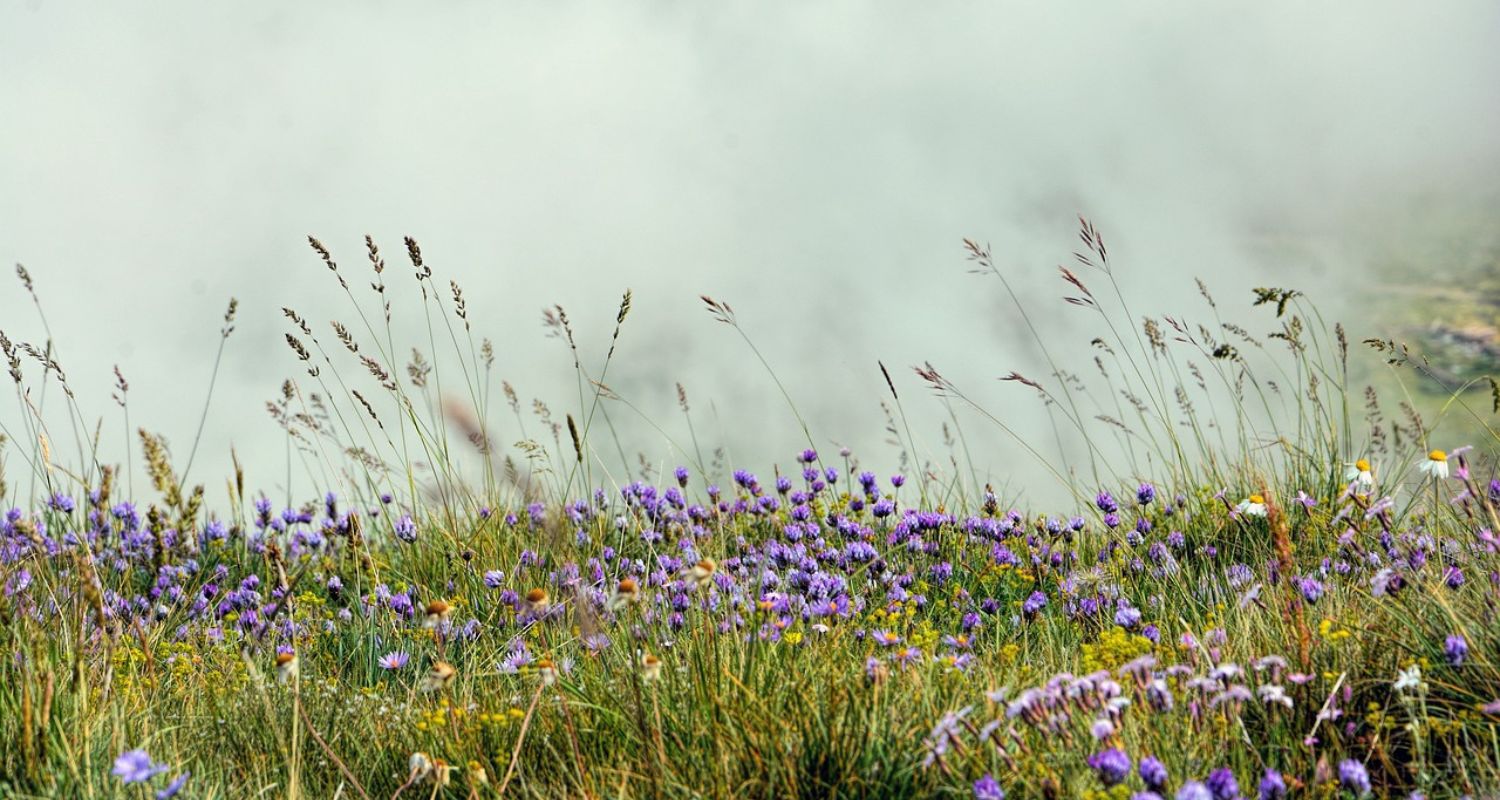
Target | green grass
(761,693)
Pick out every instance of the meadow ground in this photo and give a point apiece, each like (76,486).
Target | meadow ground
(1291,595)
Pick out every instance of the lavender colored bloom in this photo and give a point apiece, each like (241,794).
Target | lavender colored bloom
(1272,787)
(394,660)
(1145,494)
(171,789)
(1353,777)
(987,788)
(1153,773)
(1106,503)
(1311,588)
(135,766)
(1193,790)
(1111,765)
(1223,785)
(406,529)
(494,579)
(1456,649)
(1036,602)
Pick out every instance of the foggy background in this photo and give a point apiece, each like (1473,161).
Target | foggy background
(815,165)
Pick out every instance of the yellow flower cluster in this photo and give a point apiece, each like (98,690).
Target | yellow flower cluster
(437,718)
(1327,630)
(501,718)
(1115,647)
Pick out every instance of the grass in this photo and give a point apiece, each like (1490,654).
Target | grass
(457,618)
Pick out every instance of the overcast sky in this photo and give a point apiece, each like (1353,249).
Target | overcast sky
(814,164)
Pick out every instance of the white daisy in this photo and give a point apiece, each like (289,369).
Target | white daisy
(1254,505)
(1360,473)
(1436,464)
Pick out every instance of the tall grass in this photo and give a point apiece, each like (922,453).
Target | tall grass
(570,623)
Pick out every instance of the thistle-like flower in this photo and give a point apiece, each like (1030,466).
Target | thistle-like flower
(547,671)
(650,668)
(418,767)
(537,601)
(286,667)
(700,574)
(438,677)
(627,593)
(437,612)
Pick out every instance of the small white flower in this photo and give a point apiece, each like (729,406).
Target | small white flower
(1360,474)
(1409,678)
(1273,693)
(1436,464)
(1254,506)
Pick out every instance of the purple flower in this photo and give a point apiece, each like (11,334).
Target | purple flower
(1106,503)
(135,766)
(1272,787)
(394,660)
(1153,773)
(1456,649)
(406,529)
(987,788)
(1222,783)
(1353,777)
(1193,790)
(1036,602)
(1145,494)
(494,579)
(174,787)
(1112,766)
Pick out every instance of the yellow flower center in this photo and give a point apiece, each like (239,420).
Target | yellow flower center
(1362,465)
(1437,455)
(1257,499)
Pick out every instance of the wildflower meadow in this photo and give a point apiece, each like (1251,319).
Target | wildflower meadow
(1265,581)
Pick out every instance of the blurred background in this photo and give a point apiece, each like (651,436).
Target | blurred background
(815,166)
